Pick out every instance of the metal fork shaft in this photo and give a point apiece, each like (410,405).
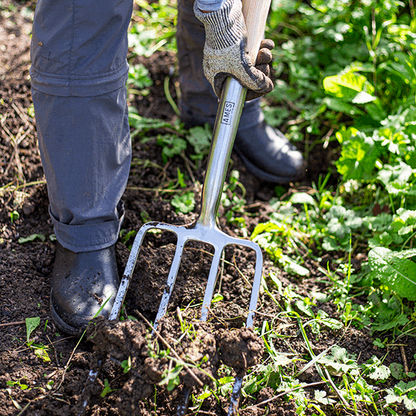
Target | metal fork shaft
(225,130)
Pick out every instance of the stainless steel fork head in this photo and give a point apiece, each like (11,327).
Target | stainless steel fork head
(197,231)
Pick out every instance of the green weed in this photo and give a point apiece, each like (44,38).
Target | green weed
(153,27)
(138,80)
(184,203)
(40,350)
(107,389)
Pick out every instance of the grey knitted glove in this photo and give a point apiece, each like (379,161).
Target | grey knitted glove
(226,54)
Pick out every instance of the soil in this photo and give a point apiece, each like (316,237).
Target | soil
(58,385)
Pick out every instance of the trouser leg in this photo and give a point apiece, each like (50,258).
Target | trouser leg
(86,154)
(78,73)
(198,104)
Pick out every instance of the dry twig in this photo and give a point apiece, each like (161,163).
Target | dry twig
(13,323)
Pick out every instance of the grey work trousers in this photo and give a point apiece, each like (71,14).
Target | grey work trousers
(79,71)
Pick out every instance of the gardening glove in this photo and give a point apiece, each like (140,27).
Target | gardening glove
(226,54)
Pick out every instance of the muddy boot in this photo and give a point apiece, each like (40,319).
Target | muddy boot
(264,150)
(82,283)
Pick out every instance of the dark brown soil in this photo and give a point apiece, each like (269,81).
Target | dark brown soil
(58,385)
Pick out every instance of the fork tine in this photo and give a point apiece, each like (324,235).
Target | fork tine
(235,395)
(238,382)
(212,279)
(258,272)
(128,270)
(173,273)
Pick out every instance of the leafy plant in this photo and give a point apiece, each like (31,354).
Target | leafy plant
(126,365)
(40,350)
(14,216)
(403,393)
(153,27)
(200,138)
(31,325)
(107,389)
(138,79)
(375,370)
(17,383)
(170,376)
(171,146)
(233,199)
(395,270)
(184,203)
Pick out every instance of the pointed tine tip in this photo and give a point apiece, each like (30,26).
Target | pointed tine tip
(235,396)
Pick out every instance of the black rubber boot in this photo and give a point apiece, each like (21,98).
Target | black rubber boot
(268,154)
(81,285)
(265,151)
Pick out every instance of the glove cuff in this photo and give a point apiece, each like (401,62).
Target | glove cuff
(226,25)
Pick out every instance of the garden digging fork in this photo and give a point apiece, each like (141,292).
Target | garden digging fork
(205,229)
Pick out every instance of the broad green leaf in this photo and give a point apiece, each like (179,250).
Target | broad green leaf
(302,198)
(409,403)
(403,388)
(306,309)
(394,270)
(139,76)
(217,298)
(363,98)
(200,138)
(339,360)
(358,158)
(31,325)
(292,267)
(144,124)
(397,371)
(266,227)
(338,367)
(337,104)
(346,86)
(277,282)
(379,373)
(281,359)
(172,146)
(320,396)
(402,393)
(395,322)
(331,323)
(42,354)
(204,395)
(392,397)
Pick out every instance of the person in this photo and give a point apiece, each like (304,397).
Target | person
(78,74)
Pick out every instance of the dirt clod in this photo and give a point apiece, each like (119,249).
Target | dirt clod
(117,339)
(240,348)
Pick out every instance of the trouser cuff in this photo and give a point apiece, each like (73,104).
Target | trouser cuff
(90,236)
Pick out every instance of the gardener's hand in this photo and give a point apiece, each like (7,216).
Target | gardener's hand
(226,54)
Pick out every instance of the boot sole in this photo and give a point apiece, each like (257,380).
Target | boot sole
(62,325)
